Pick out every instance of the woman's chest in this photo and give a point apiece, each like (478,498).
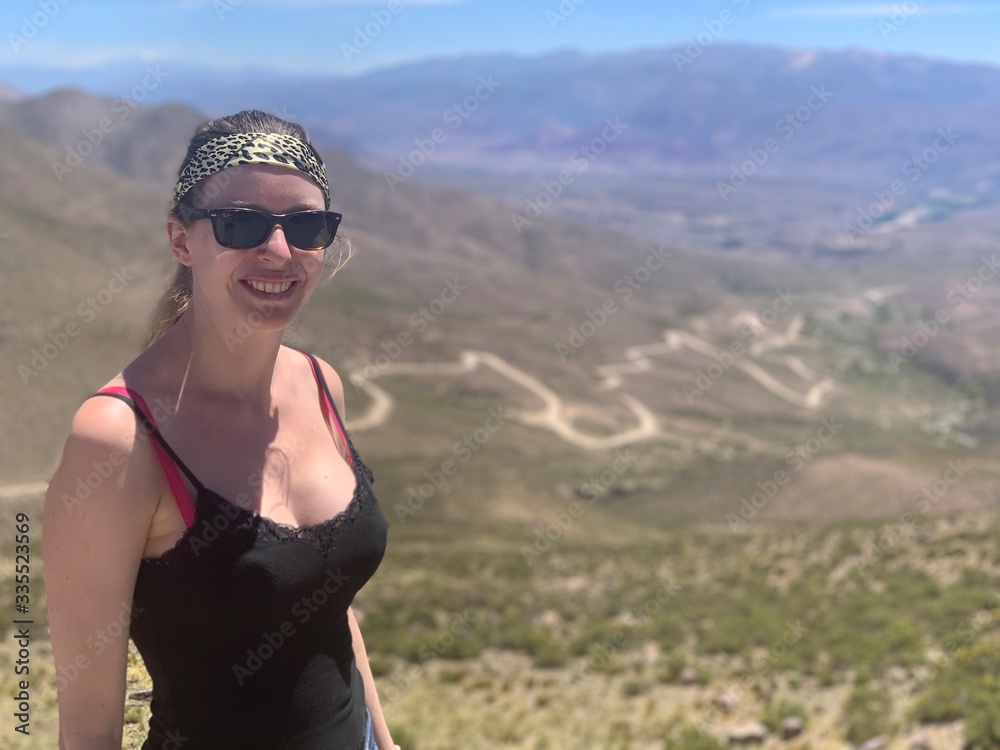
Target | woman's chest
(298,483)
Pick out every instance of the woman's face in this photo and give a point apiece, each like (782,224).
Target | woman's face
(232,283)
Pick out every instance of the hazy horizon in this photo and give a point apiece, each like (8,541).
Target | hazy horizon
(67,42)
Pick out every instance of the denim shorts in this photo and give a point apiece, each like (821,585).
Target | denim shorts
(369,733)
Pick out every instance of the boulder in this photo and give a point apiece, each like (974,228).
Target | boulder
(725,702)
(689,676)
(791,727)
(747,734)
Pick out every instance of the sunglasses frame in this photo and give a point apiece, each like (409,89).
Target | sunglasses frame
(190,213)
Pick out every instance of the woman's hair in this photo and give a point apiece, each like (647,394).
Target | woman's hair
(177,298)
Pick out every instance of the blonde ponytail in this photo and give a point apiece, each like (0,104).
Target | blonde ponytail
(173,304)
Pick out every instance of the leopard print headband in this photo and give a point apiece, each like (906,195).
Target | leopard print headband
(250,148)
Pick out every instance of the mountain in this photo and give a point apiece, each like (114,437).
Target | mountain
(689,150)
(9,93)
(139,142)
(712,367)
(840,116)
(64,239)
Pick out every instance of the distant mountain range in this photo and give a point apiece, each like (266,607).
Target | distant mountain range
(586,335)
(846,117)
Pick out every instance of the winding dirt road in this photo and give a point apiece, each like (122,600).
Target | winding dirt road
(557,416)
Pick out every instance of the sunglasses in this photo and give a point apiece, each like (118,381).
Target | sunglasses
(246,228)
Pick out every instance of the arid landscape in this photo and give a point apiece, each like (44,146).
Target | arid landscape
(740,483)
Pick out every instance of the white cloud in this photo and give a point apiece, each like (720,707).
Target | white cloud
(827,12)
(46,54)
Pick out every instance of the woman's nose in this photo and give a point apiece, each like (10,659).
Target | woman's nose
(276,245)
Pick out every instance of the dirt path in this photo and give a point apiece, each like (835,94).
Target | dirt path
(557,416)
(551,416)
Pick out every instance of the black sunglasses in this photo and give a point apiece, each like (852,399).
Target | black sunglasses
(245,228)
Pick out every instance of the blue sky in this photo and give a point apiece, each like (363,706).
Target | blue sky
(353,36)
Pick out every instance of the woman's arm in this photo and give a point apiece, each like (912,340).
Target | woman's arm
(382,737)
(96,518)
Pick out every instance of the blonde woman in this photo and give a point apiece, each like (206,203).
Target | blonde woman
(236,522)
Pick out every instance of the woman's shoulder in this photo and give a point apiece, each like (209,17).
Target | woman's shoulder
(107,431)
(330,376)
(110,422)
(103,459)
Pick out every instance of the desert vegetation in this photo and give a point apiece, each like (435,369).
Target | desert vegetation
(680,638)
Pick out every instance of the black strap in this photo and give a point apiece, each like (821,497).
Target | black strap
(151,429)
(333,404)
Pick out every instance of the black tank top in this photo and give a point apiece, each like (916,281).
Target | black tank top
(243,624)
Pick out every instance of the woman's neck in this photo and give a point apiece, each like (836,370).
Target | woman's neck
(234,368)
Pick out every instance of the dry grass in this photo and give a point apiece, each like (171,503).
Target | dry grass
(573,650)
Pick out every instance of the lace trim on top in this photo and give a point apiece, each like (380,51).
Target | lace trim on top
(213,506)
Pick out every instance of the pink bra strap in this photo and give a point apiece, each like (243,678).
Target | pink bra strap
(168,459)
(330,407)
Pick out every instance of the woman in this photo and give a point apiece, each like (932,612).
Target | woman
(234,522)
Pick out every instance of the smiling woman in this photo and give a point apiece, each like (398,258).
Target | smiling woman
(238,536)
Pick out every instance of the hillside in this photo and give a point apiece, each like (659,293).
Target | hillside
(863,114)
(69,236)
(746,477)
(786,154)
(712,368)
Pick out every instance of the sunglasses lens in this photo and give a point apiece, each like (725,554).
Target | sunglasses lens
(310,230)
(242,229)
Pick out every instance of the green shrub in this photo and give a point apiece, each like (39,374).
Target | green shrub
(633,688)
(538,643)
(692,738)
(863,629)
(402,737)
(866,713)
(967,689)
(676,664)
(775,714)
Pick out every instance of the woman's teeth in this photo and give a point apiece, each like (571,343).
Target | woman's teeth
(263,286)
